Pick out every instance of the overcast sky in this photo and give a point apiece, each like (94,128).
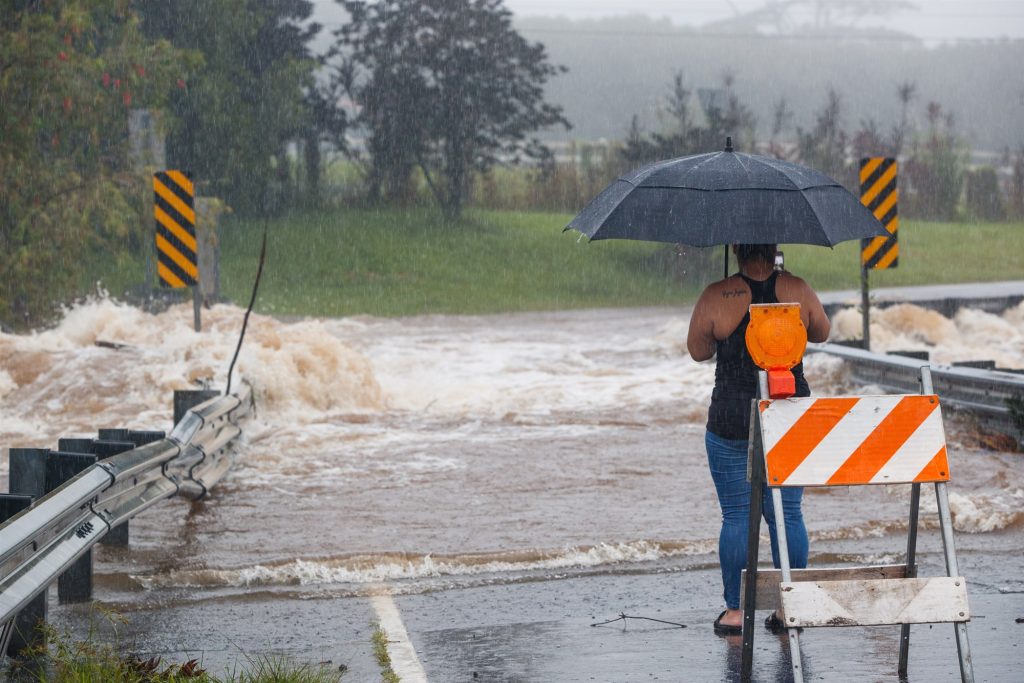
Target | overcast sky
(932,19)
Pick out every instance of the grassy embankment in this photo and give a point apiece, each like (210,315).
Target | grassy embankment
(93,659)
(99,656)
(400,262)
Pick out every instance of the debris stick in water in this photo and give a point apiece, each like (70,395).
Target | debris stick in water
(252,300)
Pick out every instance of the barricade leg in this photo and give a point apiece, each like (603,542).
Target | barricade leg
(755,467)
(963,646)
(787,576)
(915,505)
(753,541)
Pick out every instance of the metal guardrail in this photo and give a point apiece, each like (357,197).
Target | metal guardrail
(40,543)
(995,398)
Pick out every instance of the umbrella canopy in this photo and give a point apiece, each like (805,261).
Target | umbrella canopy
(727,198)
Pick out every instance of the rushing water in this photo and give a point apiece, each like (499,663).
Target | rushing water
(445,451)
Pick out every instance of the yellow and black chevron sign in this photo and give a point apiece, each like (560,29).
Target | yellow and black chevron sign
(174,210)
(878,193)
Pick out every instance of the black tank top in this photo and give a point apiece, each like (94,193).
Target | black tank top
(736,374)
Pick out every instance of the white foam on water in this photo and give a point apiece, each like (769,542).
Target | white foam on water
(490,372)
(7,384)
(971,334)
(984,513)
(59,382)
(363,570)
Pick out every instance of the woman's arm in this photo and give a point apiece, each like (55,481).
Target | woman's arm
(792,288)
(818,325)
(700,340)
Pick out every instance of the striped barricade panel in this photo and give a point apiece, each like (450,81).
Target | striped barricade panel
(853,440)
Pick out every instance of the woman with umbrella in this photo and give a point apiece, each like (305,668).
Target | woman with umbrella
(718,327)
(747,201)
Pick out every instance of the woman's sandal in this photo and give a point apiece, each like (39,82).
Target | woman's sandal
(726,629)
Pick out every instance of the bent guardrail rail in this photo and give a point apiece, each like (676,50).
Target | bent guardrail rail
(40,543)
(994,397)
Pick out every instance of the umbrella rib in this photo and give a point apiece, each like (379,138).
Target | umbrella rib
(768,161)
(815,212)
(697,166)
(739,158)
(656,166)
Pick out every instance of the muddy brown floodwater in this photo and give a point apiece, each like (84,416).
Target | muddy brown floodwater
(455,451)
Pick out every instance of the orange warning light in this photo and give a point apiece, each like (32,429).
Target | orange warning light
(776,337)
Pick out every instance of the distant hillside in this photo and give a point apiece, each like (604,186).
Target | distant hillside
(621,66)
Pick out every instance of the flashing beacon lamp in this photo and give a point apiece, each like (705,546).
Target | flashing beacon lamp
(776,339)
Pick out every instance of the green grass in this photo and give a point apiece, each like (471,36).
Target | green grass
(930,253)
(400,262)
(393,262)
(99,656)
(380,652)
(271,669)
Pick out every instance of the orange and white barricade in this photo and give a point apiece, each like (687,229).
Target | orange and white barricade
(847,441)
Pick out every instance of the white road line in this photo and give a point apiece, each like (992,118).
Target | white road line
(404,661)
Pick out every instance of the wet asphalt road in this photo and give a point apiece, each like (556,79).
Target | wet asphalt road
(541,631)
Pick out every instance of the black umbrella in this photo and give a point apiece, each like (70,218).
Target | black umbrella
(727,198)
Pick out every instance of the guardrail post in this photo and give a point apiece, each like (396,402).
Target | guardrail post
(25,633)
(189,398)
(141,437)
(75,584)
(27,474)
(112,442)
(27,478)
(76,445)
(116,434)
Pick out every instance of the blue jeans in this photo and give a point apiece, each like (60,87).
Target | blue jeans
(728,462)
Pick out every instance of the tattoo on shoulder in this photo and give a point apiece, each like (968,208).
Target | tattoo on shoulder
(730,293)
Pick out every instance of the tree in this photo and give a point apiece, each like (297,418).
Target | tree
(637,149)
(907,91)
(69,74)
(447,86)
(935,168)
(723,112)
(782,115)
(677,106)
(870,141)
(737,120)
(372,61)
(982,196)
(824,146)
(238,113)
(1017,185)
